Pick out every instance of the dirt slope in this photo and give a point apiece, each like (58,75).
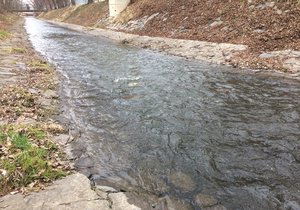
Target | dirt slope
(86,15)
(262,25)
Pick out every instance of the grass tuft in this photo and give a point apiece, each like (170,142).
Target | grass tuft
(27,157)
(19,141)
(4,35)
(39,66)
(18,50)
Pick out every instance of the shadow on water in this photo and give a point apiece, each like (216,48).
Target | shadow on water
(172,132)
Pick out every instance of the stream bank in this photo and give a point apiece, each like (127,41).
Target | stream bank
(28,102)
(215,53)
(268,31)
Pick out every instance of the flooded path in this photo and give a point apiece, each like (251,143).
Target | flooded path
(173,132)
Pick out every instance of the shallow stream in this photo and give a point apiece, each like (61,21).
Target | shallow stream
(175,133)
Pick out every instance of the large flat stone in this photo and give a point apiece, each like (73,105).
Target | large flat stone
(73,192)
(120,202)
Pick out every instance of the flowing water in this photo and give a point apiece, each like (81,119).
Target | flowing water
(173,132)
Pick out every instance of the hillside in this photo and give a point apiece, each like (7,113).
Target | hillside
(262,25)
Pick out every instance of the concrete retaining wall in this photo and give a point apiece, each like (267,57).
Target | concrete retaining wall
(117,6)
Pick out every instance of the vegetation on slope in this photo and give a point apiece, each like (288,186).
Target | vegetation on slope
(263,25)
(28,158)
(86,15)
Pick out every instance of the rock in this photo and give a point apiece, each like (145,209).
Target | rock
(119,201)
(295,54)
(50,94)
(225,28)
(267,4)
(216,207)
(270,4)
(266,55)
(251,7)
(261,6)
(283,54)
(106,189)
(71,193)
(292,64)
(181,29)
(279,12)
(61,139)
(21,66)
(103,191)
(259,31)
(204,200)
(33,91)
(25,121)
(216,23)
(292,59)
(182,181)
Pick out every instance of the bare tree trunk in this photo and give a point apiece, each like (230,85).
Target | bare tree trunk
(11,4)
(54,4)
(50,4)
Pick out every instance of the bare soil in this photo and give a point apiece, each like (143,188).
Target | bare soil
(261,27)
(260,24)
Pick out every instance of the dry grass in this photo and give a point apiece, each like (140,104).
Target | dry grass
(86,15)
(261,27)
(29,160)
